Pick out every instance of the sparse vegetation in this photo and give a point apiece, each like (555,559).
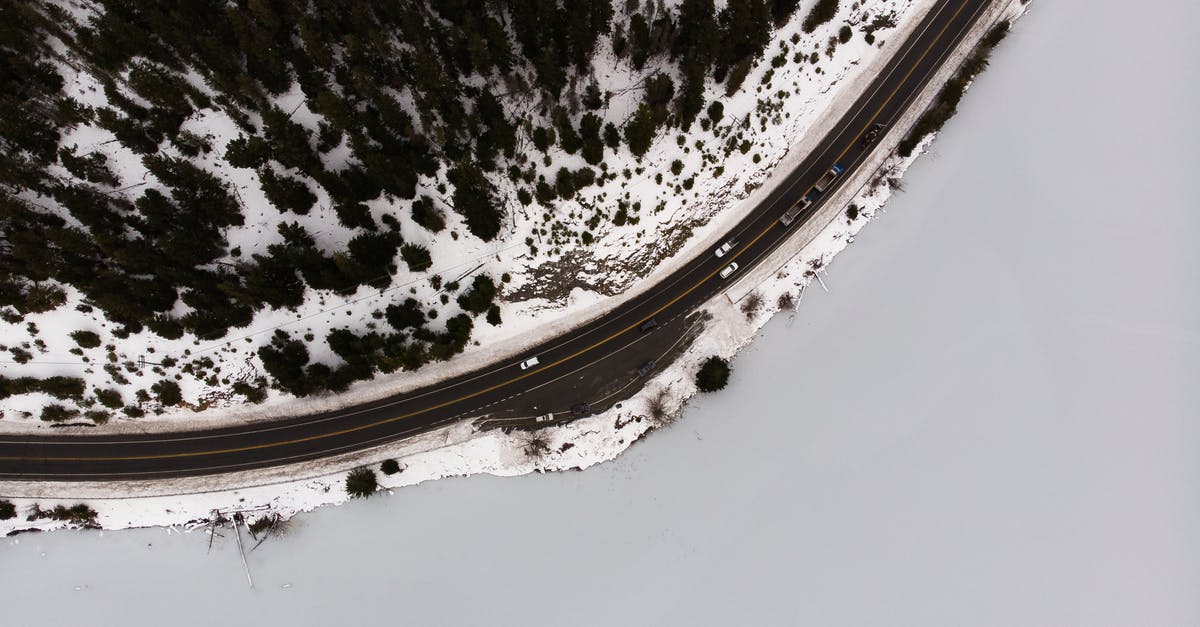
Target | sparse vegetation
(7,510)
(389,467)
(751,304)
(78,514)
(946,103)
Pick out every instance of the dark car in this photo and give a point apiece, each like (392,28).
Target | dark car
(645,368)
(581,409)
(872,134)
(647,325)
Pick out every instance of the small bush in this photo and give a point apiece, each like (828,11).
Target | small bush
(254,393)
(713,375)
(716,111)
(98,416)
(361,483)
(389,467)
(417,257)
(109,398)
(844,34)
(480,296)
(427,215)
(167,392)
(86,339)
(752,304)
(57,413)
(821,12)
(78,513)
(7,510)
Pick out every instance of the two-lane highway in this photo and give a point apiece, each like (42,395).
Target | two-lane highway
(98,457)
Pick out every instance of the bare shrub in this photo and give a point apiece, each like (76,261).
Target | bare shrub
(752,303)
(656,405)
(787,301)
(535,444)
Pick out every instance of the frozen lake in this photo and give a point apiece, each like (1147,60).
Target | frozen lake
(991,419)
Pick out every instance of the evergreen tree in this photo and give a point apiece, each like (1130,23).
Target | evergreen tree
(589,131)
(405,315)
(472,199)
(285,192)
(361,483)
(427,215)
(639,132)
(639,40)
(416,257)
(479,298)
(244,152)
(713,375)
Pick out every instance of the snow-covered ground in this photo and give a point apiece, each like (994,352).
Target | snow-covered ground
(459,450)
(766,126)
(989,420)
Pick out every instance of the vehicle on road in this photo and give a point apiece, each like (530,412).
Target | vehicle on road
(582,409)
(724,249)
(729,269)
(796,210)
(529,363)
(873,134)
(645,368)
(647,325)
(828,177)
(544,418)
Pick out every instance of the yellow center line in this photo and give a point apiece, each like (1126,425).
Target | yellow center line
(378,423)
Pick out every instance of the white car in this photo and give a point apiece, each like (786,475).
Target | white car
(723,249)
(729,269)
(529,363)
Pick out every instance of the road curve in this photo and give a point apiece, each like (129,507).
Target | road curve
(148,456)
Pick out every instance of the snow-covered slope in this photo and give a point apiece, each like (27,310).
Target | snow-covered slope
(675,200)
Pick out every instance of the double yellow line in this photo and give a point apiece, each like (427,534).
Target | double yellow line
(378,423)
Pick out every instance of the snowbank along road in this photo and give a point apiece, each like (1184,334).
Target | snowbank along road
(81,457)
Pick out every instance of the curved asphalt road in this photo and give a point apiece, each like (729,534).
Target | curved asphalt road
(81,457)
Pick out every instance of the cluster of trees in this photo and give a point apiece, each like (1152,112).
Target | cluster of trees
(946,104)
(704,43)
(410,345)
(399,84)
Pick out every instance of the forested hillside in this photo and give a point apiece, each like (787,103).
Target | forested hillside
(179,168)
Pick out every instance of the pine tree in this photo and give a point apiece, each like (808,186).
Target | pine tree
(472,199)
(639,132)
